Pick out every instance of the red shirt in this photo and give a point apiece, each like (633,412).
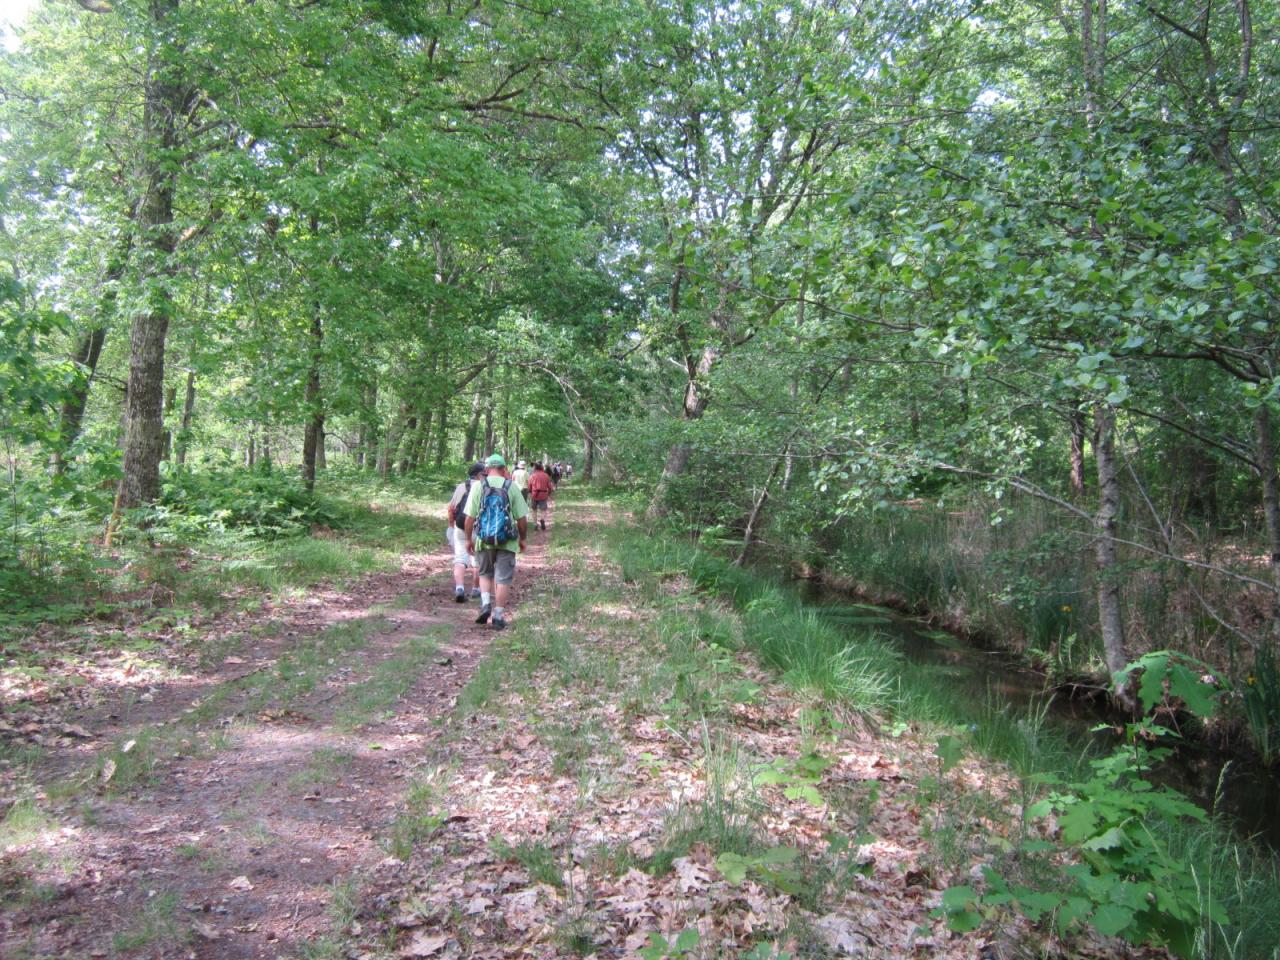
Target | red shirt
(540,485)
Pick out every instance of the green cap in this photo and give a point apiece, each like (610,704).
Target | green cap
(495,460)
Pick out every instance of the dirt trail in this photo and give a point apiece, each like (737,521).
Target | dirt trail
(262,806)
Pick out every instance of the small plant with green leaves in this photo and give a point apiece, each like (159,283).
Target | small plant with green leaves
(681,945)
(1125,881)
(774,867)
(798,778)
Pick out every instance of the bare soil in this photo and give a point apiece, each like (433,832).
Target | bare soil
(251,846)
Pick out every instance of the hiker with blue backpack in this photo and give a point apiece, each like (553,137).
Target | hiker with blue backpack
(495,528)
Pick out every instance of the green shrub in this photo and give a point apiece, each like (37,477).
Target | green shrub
(265,503)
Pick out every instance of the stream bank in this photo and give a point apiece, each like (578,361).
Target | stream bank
(1223,781)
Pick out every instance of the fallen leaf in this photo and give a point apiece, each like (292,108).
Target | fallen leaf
(108,770)
(206,931)
(691,876)
(75,730)
(240,883)
(841,934)
(128,745)
(424,945)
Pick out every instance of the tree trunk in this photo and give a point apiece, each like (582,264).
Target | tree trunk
(322,461)
(188,408)
(695,403)
(488,430)
(442,432)
(1077,454)
(313,405)
(266,450)
(409,438)
(749,534)
(250,452)
(588,459)
(162,105)
(170,401)
(473,429)
(86,357)
(391,441)
(367,455)
(1266,462)
(1110,609)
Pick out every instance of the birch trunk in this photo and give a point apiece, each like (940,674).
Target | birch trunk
(1110,606)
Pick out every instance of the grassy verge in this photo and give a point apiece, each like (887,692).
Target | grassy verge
(850,667)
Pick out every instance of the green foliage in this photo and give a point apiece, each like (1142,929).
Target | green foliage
(681,945)
(1261,692)
(264,503)
(799,778)
(774,867)
(1124,879)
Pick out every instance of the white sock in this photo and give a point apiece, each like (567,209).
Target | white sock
(459,590)
(484,598)
(497,612)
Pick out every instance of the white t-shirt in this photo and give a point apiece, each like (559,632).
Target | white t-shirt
(459,499)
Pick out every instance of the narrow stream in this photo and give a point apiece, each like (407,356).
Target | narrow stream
(1248,793)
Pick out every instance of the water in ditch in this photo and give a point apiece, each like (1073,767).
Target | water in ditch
(1246,792)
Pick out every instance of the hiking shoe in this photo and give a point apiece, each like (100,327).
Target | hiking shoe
(499,623)
(475,594)
(459,596)
(542,524)
(483,616)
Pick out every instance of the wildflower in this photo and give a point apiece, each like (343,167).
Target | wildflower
(1251,679)
(1066,608)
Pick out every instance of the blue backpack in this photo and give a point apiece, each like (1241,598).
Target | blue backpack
(494,526)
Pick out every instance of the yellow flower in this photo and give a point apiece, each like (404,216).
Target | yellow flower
(1066,608)
(1251,679)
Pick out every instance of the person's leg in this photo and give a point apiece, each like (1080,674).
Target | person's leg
(461,560)
(484,571)
(504,574)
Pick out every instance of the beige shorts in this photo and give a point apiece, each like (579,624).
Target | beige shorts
(458,540)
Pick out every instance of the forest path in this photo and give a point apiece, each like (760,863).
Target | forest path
(227,810)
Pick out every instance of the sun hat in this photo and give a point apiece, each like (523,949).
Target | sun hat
(520,465)
(495,460)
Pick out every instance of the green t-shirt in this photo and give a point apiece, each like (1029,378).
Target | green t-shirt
(520,478)
(519,509)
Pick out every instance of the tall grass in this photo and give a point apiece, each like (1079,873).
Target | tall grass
(810,652)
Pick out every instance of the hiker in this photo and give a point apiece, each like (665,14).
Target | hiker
(540,489)
(495,530)
(555,472)
(456,535)
(520,477)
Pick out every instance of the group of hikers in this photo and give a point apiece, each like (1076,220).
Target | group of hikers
(488,524)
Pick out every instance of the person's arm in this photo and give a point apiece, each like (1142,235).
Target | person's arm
(469,524)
